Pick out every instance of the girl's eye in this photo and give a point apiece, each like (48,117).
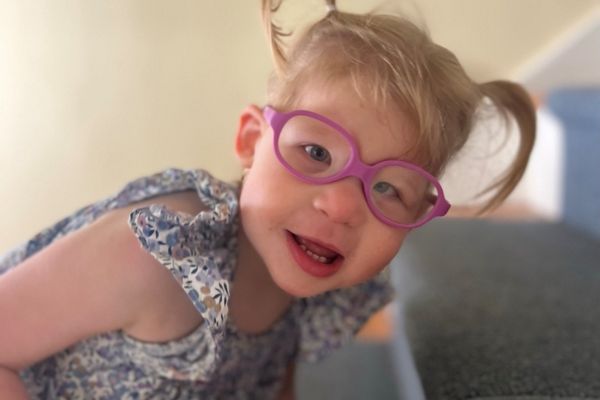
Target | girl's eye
(317,153)
(387,190)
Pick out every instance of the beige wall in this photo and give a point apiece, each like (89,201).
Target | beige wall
(95,92)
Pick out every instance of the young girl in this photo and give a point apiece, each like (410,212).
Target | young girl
(181,286)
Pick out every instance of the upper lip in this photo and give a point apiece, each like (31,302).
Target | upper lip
(320,243)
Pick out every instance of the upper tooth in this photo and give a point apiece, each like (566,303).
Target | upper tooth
(316,257)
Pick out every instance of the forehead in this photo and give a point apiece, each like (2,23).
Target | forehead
(380,132)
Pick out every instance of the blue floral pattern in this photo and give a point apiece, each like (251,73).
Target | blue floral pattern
(216,361)
(184,245)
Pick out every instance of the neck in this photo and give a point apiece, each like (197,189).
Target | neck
(256,300)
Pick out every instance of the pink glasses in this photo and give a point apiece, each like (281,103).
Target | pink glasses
(317,150)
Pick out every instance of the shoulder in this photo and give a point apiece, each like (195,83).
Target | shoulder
(128,278)
(111,232)
(161,310)
(135,288)
(93,280)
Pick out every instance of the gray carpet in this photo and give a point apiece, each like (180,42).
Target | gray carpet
(358,371)
(503,309)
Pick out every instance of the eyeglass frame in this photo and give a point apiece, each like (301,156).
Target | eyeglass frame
(354,167)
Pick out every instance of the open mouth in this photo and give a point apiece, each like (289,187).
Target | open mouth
(315,258)
(316,251)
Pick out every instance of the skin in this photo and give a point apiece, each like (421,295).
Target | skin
(273,201)
(73,303)
(81,290)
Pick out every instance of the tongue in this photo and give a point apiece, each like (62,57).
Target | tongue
(317,249)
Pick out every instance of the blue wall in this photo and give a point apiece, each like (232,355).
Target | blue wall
(579,111)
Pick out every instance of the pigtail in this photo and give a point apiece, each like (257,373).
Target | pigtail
(274,34)
(511,100)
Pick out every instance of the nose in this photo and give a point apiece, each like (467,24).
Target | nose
(343,201)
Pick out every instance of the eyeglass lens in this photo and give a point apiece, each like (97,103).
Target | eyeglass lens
(317,150)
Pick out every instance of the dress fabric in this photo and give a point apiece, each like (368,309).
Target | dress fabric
(215,361)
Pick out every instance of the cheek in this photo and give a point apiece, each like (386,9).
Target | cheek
(255,207)
(379,251)
(261,188)
(267,193)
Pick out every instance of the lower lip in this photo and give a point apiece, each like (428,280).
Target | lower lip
(308,264)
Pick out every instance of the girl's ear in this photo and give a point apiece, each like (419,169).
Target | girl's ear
(249,131)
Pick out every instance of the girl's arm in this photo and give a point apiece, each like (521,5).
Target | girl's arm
(94,280)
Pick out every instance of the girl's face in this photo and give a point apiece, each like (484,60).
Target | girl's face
(315,238)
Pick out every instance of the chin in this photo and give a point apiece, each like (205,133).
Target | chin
(299,291)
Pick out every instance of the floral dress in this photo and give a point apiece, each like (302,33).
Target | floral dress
(216,361)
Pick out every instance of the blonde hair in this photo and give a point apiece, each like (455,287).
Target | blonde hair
(388,58)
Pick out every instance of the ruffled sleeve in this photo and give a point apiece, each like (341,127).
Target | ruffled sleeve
(199,251)
(194,250)
(330,320)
